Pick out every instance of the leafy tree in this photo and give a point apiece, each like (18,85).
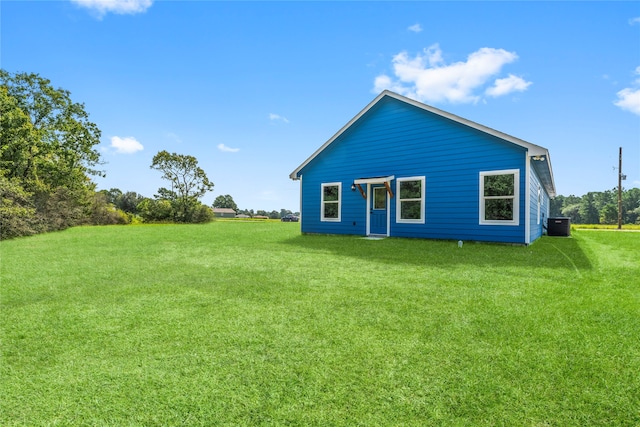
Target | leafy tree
(50,140)
(188,183)
(631,205)
(17,214)
(47,152)
(588,210)
(573,212)
(609,214)
(112,195)
(155,210)
(202,213)
(105,213)
(225,201)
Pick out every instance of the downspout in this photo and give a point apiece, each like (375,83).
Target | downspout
(527,200)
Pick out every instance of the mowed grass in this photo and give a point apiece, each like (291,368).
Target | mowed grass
(246,324)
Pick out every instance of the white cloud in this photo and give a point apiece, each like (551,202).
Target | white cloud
(121,7)
(507,85)
(426,77)
(126,145)
(416,28)
(629,98)
(277,117)
(633,21)
(226,149)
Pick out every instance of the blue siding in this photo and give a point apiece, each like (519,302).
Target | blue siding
(536,223)
(396,138)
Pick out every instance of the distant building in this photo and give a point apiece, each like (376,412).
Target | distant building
(224,213)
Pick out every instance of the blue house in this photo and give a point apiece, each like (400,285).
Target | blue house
(405,169)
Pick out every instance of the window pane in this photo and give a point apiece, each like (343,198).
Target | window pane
(410,210)
(379,198)
(410,189)
(331,193)
(499,185)
(331,210)
(498,209)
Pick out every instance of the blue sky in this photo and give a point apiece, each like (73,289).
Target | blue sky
(251,89)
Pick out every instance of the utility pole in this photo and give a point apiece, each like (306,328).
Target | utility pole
(620,178)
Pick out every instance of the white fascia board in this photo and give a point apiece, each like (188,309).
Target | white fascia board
(294,174)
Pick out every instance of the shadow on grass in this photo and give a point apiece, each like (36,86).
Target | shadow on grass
(547,252)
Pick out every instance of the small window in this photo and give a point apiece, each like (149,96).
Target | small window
(499,197)
(410,201)
(331,201)
(379,198)
(539,204)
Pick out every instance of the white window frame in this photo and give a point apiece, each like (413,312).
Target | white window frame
(515,197)
(339,201)
(539,204)
(399,201)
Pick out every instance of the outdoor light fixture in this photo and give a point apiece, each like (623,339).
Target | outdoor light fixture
(353,187)
(540,158)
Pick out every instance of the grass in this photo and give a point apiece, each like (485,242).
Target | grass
(238,324)
(625,227)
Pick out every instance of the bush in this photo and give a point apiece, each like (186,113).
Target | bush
(17,215)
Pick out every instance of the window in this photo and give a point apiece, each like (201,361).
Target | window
(410,201)
(379,198)
(539,204)
(499,197)
(331,201)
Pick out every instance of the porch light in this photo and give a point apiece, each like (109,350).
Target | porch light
(353,187)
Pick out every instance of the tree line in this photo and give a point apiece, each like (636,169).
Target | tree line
(598,207)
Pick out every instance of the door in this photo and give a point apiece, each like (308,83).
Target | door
(378,210)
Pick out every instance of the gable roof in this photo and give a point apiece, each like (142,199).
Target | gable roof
(540,154)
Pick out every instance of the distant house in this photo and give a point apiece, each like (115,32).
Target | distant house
(224,213)
(402,168)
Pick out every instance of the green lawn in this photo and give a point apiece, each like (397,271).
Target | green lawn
(245,324)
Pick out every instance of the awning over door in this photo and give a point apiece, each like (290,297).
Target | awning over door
(386,180)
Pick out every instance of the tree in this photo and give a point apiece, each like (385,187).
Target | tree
(188,183)
(48,139)
(588,210)
(47,153)
(155,210)
(225,201)
(573,212)
(17,214)
(609,214)
(631,205)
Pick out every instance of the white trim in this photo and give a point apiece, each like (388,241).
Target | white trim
(375,180)
(540,199)
(384,191)
(527,201)
(370,201)
(339,201)
(516,198)
(423,185)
